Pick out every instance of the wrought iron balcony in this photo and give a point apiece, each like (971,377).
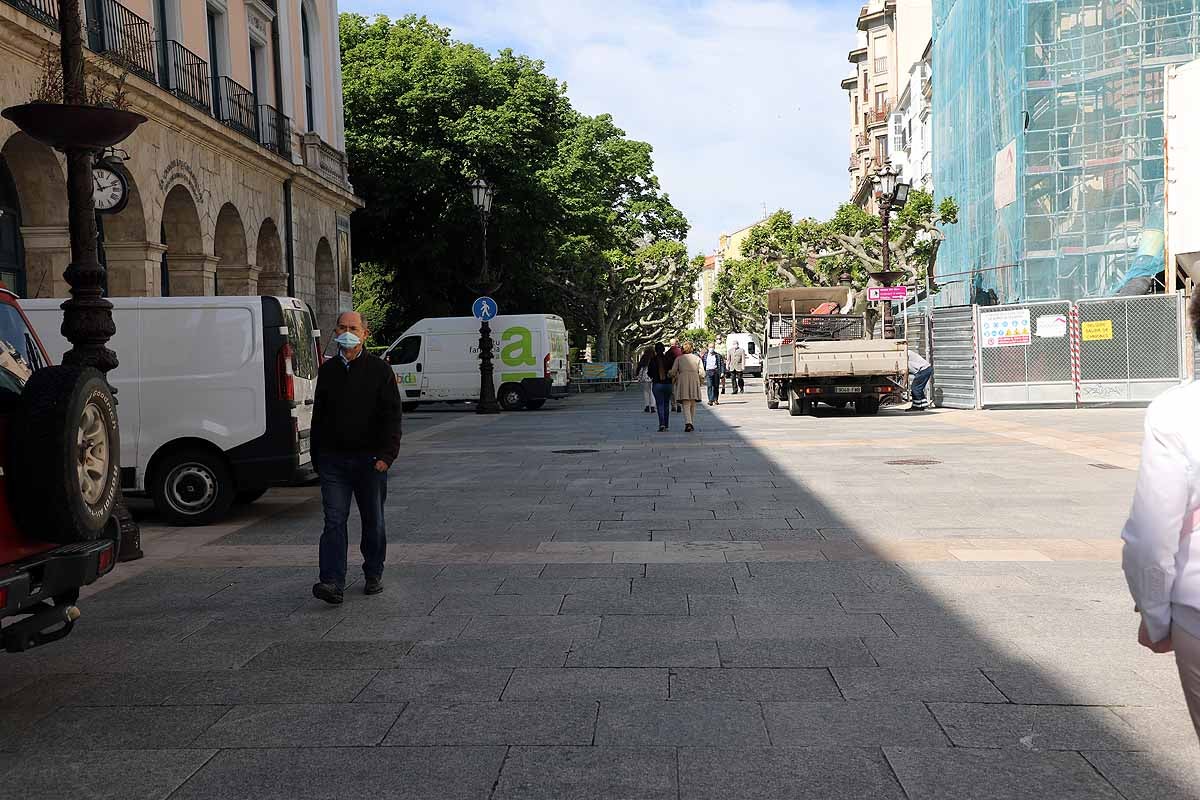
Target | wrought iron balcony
(44,11)
(855,162)
(879,114)
(862,141)
(121,36)
(274,130)
(184,74)
(236,107)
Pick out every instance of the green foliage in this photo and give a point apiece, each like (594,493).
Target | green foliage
(740,296)
(579,225)
(699,337)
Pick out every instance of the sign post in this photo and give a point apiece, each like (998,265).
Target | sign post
(484,309)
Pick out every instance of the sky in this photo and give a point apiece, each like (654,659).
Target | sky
(739,98)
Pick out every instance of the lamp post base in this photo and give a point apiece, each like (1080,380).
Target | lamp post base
(487,386)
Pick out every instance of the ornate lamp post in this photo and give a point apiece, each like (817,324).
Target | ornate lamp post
(892,194)
(482,194)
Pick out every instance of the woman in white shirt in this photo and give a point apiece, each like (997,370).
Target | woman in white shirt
(1161,556)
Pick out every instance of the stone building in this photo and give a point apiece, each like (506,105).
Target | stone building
(238,182)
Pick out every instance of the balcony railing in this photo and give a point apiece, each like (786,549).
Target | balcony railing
(855,162)
(236,107)
(121,36)
(861,141)
(274,130)
(45,11)
(880,65)
(879,114)
(325,159)
(184,74)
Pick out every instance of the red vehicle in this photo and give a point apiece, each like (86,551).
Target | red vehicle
(59,484)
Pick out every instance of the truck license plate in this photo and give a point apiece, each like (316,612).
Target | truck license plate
(847,389)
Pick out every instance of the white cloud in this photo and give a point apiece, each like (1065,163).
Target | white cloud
(739,98)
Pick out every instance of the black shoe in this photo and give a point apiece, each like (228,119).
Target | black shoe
(662,428)
(647,409)
(916,408)
(373,586)
(328,592)
(688,428)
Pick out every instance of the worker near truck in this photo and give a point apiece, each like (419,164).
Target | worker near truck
(919,371)
(737,367)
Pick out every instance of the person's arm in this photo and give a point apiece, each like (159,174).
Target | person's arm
(391,413)
(1152,532)
(318,419)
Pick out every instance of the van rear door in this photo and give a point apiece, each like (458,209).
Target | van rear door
(305,362)
(559,348)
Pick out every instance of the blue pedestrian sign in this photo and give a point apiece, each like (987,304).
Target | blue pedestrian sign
(484,309)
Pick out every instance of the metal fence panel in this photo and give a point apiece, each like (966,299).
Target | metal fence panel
(1035,373)
(954,357)
(1131,348)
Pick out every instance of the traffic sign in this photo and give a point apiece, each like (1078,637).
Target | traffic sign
(484,309)
(876,293)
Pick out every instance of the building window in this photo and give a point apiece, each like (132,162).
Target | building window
(257,57)
(881,149)
(308,72)
(881,100)
(217,43)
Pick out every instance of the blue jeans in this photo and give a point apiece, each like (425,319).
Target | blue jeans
(919,382)
(714,385)
(662,402)
(343,477)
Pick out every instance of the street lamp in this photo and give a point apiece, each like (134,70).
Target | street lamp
(482,194)
(892,194)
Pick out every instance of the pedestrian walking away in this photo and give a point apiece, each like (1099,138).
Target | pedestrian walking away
(356,428)
(675,352)
(643,376)
(737,368)
(714,368)
(919,371)
(1161,555)
(687,372)
(660,377)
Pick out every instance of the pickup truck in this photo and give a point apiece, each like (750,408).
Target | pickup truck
(818,352)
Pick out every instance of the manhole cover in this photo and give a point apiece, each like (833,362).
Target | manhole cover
(914,462)
(575,452)
(1105,466)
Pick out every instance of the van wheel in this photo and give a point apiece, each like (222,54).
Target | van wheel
(247,496)
(534,405)
(512,397)
(408,408)
(64,456)
(192,487)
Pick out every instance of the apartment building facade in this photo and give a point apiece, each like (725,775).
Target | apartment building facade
(237,184)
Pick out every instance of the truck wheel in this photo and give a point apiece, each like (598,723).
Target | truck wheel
(772,400)
(512,397)
(64,475)
(867,405)
(534,405)
(796,406)
(192,487)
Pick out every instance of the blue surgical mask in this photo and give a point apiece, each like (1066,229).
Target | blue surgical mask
(347,340)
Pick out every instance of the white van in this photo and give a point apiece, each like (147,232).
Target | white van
(437,360)
(752,344)
(214,396)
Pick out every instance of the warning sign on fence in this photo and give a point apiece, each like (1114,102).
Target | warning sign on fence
(1004,328)
(1097,331)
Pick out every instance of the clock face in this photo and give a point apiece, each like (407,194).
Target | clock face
(108,189)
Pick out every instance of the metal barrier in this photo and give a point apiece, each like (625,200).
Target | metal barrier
(1130,348)
(1024,354)
(954,357)
(602,374)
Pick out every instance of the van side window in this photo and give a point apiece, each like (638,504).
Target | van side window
(750,347)
(408,351)
(300,337)
(19,353)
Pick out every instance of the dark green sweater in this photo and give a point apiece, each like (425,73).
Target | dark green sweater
(357,409)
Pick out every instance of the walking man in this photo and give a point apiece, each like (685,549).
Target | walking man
(737,368)
(675,352)
(714,368)
(919,371)
(355,439)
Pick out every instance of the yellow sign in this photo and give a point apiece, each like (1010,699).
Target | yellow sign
(1098,331)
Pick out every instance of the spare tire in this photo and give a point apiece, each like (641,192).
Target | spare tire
(64,475)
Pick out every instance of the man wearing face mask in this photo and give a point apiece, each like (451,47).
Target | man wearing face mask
(355,439)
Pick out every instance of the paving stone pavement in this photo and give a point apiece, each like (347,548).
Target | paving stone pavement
(766,608)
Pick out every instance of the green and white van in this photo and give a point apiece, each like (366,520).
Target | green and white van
(437,360)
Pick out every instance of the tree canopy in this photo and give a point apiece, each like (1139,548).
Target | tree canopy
(579,225)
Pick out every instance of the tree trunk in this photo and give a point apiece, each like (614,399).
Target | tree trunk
(602,333)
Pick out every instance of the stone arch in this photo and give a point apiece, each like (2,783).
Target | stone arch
(327,290)
(234,274)
(132,261)
(268,257)
(186,269)
(41,238)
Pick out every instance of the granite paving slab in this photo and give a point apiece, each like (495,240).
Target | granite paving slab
(953,773)
(1033,727)
(302,725)
(560,722)
(680,723)
(852,724)
(588,773)
(103,774)
(576,683)
(753,684)
(843,773)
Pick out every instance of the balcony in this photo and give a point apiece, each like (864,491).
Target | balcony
(325,159)
(274,131)
(880,65)
(879,115)
(855,162)
(184,74)
(236,107)
(121,36)
(861,141)
(44,11)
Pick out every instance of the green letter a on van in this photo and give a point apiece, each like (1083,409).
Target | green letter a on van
(517,351)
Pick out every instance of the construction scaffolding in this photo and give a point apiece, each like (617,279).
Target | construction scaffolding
(1048,130)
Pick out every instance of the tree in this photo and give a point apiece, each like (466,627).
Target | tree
(739,300)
